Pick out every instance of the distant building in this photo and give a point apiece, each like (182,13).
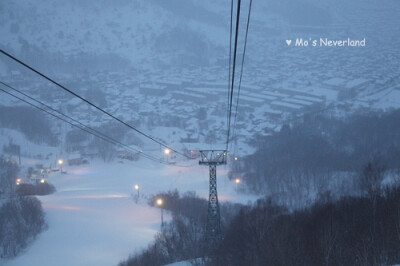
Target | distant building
(208,92)
(152,89)
(171,84)
(298,101)
(284,106)
(262,96)
(77,161)
(252,101)
(190,97)
(309,98)
(127,155)
(355,84)
(335,83)
(273,114)
(190,139)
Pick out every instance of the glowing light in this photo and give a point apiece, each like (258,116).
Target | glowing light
(167,151)
(237,180)
(159,202)
(137,187)
(18,181)
(42,181)
(60,161)
(236,158)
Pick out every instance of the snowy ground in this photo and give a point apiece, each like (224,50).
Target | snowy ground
(93,219)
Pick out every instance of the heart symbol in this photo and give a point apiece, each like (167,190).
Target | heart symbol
(288,42)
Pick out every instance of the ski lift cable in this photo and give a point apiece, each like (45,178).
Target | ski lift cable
(241,71)
(83,127)
(90,103)
(233,73)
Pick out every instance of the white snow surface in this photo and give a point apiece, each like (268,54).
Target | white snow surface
(93,220)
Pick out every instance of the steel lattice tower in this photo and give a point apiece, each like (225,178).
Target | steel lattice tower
(213,158)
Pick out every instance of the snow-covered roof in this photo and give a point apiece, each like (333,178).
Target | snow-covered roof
(335,82)
(356,83)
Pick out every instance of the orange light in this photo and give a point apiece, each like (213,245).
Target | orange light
(237,180)
(18,181)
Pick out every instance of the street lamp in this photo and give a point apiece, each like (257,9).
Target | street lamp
(167,152)
(137,189)
(42,181)
(237,181)
(18,181)
(160,203)
(60,162)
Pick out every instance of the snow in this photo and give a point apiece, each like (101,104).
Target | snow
(337,82)
(356,83)
(27,147)
(307,98)
(259,96)
(391,99)
(331,95)
(251,100)
(180,263)
(288,105)
(298,101)
(93,219)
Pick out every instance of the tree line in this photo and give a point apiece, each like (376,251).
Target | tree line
(357,230)
(21,217)
(320,155)
(184,237)
(30,122)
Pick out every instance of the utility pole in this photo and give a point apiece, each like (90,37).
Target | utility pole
(212,158)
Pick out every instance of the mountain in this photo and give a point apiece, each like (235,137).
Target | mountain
(123,47)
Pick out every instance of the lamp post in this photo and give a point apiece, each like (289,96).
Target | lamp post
(237,181)
(60,163)
(137,195)
(159,204)
(167,152)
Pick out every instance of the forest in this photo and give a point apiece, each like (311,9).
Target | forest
(321,155)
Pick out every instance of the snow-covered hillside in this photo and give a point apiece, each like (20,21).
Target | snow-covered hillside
(144,32)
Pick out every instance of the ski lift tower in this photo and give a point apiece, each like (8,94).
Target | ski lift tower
(212,158)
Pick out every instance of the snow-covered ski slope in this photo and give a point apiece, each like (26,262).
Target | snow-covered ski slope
(93,219)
